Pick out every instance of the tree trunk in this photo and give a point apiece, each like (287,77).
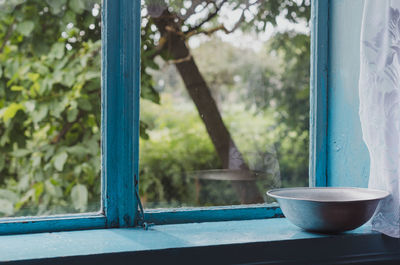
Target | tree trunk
(199,91)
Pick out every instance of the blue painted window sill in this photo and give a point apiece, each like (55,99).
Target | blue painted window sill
(220,242)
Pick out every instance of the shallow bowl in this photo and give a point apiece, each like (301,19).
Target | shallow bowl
(328,210)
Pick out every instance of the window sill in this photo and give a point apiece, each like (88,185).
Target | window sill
(251,241)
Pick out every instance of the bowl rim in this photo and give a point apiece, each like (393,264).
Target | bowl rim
(383,196)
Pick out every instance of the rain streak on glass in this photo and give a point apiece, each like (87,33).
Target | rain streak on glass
(224,100)
(50,67)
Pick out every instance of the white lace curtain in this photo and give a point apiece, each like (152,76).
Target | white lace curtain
(379,88)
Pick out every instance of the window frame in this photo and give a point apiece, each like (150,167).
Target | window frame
(319,93)
(120,132)
(120,91)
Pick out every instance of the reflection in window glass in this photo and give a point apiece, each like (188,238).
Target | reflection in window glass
(225,100)
(49,107)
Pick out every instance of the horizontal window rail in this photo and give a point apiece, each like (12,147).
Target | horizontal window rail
(212,214)
(22,225)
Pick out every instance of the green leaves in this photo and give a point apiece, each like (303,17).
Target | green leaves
(78,6)
(40,114)
(10,111)
(50,71)
(148,92)
(38,188)
(17,88)
(84,104)
(57,50)
(25,27)
(143,130)
(72,114)
(79,197)
(6,207)
(21,152)
(8,195)
(59,160)
(56,5)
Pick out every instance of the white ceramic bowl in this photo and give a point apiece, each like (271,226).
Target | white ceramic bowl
(328,210)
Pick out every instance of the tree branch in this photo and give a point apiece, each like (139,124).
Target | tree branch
(191,10)
(180,60)
(222,27)
(66,128)
(210,16)
(10,30)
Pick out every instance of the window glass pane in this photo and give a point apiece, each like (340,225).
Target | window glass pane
(49,107)
(225,100)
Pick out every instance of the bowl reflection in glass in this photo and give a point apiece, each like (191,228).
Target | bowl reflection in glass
(328,210)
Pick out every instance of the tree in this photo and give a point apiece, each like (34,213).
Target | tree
(174,27)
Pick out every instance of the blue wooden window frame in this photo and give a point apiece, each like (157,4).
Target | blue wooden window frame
(120,132)
(319,93)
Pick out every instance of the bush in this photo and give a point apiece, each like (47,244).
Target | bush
(179,145)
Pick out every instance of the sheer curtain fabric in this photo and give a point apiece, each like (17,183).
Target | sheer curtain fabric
(379,88)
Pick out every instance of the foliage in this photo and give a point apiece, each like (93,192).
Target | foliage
(173,150)
(49,107)
(293,96)
(293,104)
(176,151)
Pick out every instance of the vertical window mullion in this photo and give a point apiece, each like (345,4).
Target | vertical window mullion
(319,93)
(120,109)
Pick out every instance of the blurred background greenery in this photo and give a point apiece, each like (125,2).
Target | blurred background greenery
(50,102)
